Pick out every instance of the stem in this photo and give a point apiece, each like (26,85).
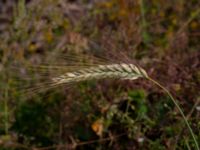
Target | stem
(145,34)
(180,110)
(6,111)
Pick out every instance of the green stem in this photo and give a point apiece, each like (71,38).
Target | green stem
(142,8)
(180,110)
(145,34)
(6,111)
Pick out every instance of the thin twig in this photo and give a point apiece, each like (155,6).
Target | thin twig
(83,143)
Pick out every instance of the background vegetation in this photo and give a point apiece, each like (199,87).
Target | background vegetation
(162,36)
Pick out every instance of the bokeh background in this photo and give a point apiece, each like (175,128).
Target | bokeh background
(162,36)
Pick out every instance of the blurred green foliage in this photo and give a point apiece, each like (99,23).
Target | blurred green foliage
(37,121)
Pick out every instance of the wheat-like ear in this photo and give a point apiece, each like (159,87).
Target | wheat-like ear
(118,71)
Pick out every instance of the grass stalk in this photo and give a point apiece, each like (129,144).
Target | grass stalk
(6,111)
(145,34)
(179,109)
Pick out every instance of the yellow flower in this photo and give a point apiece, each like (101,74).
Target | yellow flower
(97,127)
(32,47)
(48,36)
